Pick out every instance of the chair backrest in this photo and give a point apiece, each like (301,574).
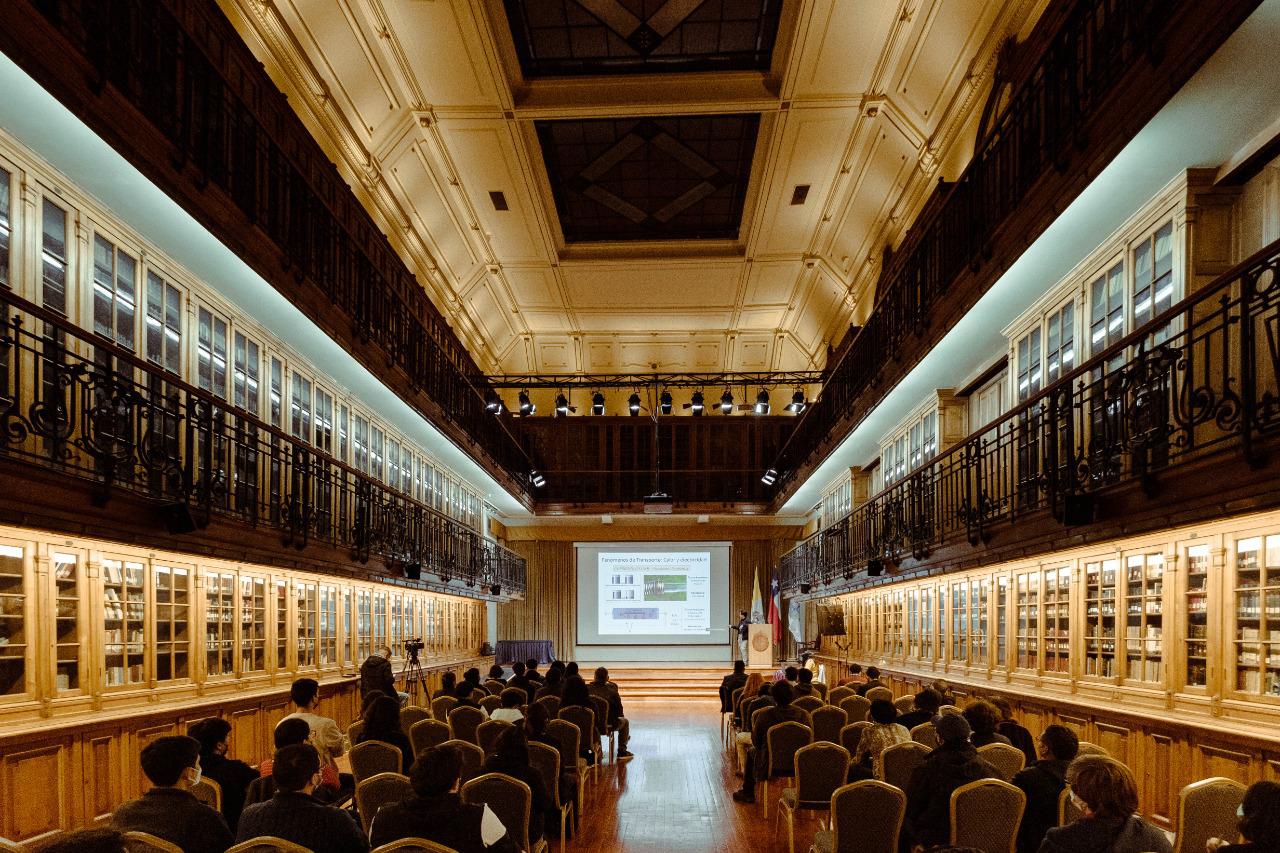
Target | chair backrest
(355,730)
(478,694)
(260,790)
(10,846)
(1068,811)
(926,734)
(839,694)
(411,714)
(584,719)
(376,791)
(441,706)
(488,733)
(851,733)
(1005,758)
(951,709)
(472,757)
(809,703)
(1087,748)
(495,687)
(517,692)
(552,704)
(898,761)
(821,768)
(491,703)
(508,798)
(145,842)
(867,817)
(905,704)
(1207,809)
(208,792)
(821,688)
(267,844)
(413,845)
(569,737)
(985,814)
(464,721)
(546,760)
(735,698)
(425,734)
(372,757)
(827,723)
(856,707)
(875,694)
(784,741)
(600,706)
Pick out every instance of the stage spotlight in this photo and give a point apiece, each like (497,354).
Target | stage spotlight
(770,477)
(526,408)
(537,479)
(797,403)
(496,589)
(664,403)
(562,406)
(697,404)
(597,403)
(726,402)
(762,403)
(633,404)
(492,402)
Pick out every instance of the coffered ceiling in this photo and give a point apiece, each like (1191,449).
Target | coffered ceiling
(623,185)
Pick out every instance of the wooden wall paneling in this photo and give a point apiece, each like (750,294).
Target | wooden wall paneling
(102,778)
(1220,760)
(248,736)
(37,786)
(1118,740)
(1160,798)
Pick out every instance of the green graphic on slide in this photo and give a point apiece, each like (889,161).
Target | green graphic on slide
(665,588)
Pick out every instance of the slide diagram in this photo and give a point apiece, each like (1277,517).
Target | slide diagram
(654,593)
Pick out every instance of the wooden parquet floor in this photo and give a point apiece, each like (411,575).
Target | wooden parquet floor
(677,793)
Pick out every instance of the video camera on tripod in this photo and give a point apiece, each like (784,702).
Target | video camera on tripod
(412,647)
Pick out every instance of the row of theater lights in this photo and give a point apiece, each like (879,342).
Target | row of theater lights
(696,405)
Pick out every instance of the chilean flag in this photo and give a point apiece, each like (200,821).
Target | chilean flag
(775,611)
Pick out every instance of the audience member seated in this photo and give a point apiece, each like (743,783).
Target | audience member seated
(87,841)
(553,685)
(376,674)
(326,737)
(330,789)
(367,700)
(511,757)
(804,684)
(792,676)
(730,683)
(954,763)
(1043,782)
(519,679)
(535,727)
(757,763)
(383,723)
(1259,822)
(1105,792)
(608,691)
(575,694)
(1017,733)
(463,694)
(571,669)
(510,710)
(883,733)
(169,810)
(927,703)
(436,812)
(448,685)
(232,776)
(292,814)
(497,673)
(754,686)
(983,719)
(531,671)
(854,678)
(943,689)
(873,681)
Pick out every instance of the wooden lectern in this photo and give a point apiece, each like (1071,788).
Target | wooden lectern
(760,645)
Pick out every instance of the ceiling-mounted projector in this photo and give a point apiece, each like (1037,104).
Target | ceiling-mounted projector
(659,503)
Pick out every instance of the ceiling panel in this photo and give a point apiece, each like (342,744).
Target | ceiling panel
(877,187)
(443,47)
(533,287)
(941,51)
(843,41)
(651,286)
(435,218)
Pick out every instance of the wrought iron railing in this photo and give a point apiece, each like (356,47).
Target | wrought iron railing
(77,403)
(1036,134)
(1203,377)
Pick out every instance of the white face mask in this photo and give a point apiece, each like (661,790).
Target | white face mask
(195,780)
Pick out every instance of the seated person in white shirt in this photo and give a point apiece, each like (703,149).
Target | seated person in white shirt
(326,737)
(510,711)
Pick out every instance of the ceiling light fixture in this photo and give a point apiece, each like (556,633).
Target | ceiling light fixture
(492,402)
(762,403)
(697,404)
(664,403)
(597,403)
(526,408)
(797,403)
(770,477)
(537,479)
(726,402)
(562,406)
(633,404)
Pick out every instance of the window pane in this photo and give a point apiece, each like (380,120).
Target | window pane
(53,258)
(6,225)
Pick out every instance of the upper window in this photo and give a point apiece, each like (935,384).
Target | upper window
(6,225)
(211,353)
(164,324)
(53,257)
(114,292)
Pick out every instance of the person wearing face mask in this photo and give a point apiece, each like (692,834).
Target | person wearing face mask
(169,810)
(294,815)
(1259,816)
(232,776)
(1107,795)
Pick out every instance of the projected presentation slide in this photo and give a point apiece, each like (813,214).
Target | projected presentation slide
(654,593)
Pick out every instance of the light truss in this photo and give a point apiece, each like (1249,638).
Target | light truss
(666,380)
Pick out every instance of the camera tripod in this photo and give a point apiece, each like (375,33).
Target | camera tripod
(415,680)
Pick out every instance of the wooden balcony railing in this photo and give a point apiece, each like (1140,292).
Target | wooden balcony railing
(77,403)
(1202,378)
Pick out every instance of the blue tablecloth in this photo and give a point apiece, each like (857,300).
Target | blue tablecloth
(510,651)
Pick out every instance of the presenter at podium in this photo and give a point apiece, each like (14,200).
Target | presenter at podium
(743,622)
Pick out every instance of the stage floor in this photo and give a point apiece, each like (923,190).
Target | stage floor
(645,680)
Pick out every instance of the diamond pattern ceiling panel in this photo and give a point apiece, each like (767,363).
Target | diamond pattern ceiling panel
(576,37)
(681,177)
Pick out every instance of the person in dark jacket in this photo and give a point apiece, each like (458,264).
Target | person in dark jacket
(954,763)
(436,812)
(1105,791)
(873,681)
(294,815)
(511,757)
(553,685)
(531,672)
(535,728)
(927,702)
(602,687)
(519,679)
(1043,782)
(169,810)
(1017,733)
(87,841)
(730,683)
(1259,822)
(983,718)
(376,674)
(448,685)
(232,776)
(382,722)
(757,763)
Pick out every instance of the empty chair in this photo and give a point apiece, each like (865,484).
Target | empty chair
(851,734)
(856,708)
(897,762)
(425,734)
(985,815)
(1003,757)
(600,707)
(546,761)
(783,741)
(820,768)
(866,817)
(145,842)
(727,716)
(411,714)
(441,706)
(569,737)
(905,704)
(809,703)
(1087,748)
(495,687)
(472,757)
(491,704)
(839,694)
(376,791)
(878,693)
(412,845)
(926,734)
(1207,809)
(208,792)
(372,757)
(464,721)
(552,704)
(827,723)
(268,844)
(488,733)
(510,800)
(585,720)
